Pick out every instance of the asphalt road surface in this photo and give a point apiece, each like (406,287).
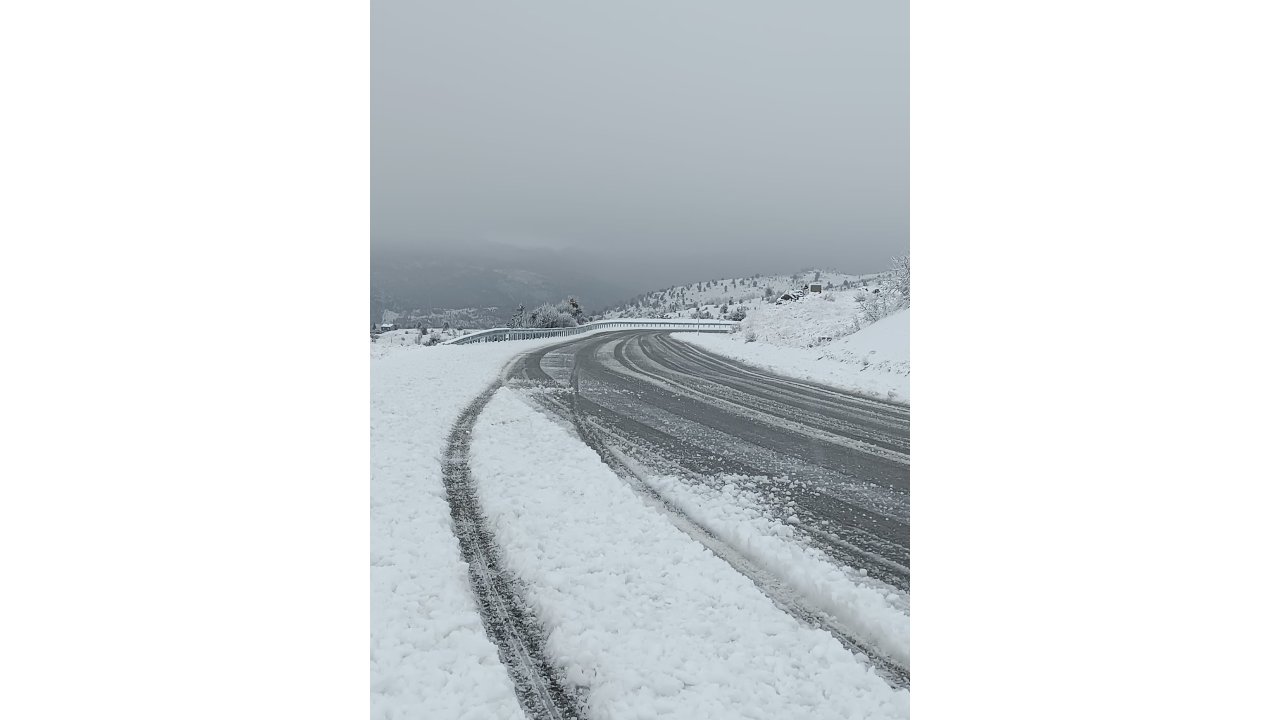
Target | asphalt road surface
(837,462)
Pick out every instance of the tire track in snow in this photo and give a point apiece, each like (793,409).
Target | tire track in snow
(884,412)
(508,622)
(663,358)
(739,405)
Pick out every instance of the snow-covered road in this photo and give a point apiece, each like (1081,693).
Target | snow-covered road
(647,530)
(835,461)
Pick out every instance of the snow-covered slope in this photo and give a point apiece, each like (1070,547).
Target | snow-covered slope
(719,297)
(826,342)
(413,336)
(884,346)
(812,320)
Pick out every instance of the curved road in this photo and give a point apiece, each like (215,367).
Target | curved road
(834,463)
(837,461)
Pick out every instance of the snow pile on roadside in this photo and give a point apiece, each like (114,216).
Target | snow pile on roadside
(648,621)
(875,360)
(735,514)
(429,655)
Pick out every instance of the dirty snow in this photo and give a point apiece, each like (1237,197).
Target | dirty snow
(872,610)
(643,618)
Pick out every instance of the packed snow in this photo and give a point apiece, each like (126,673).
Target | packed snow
(645,620)
(429,655)
(825,342)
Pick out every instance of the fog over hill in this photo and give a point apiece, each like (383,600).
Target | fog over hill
(487,281)
(610,149)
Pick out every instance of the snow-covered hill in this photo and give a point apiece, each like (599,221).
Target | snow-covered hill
(874,360)
(854,336)
(718,298)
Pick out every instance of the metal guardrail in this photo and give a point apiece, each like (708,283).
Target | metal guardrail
(504,334)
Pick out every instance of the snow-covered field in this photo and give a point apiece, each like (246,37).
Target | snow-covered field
(641,617)
(823,341)
(413,336)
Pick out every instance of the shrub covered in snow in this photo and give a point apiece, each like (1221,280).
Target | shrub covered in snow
(551,316)
(566,313)
(900,278)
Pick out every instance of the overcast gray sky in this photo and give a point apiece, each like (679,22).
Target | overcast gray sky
(776,129)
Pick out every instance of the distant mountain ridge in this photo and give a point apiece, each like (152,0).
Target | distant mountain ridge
(479,286)
(415,286)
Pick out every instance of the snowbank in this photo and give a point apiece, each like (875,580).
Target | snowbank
(817,340)
(429,655)
(644,618)
(871,610)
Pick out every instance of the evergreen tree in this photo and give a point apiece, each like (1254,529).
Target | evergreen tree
(575,309)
